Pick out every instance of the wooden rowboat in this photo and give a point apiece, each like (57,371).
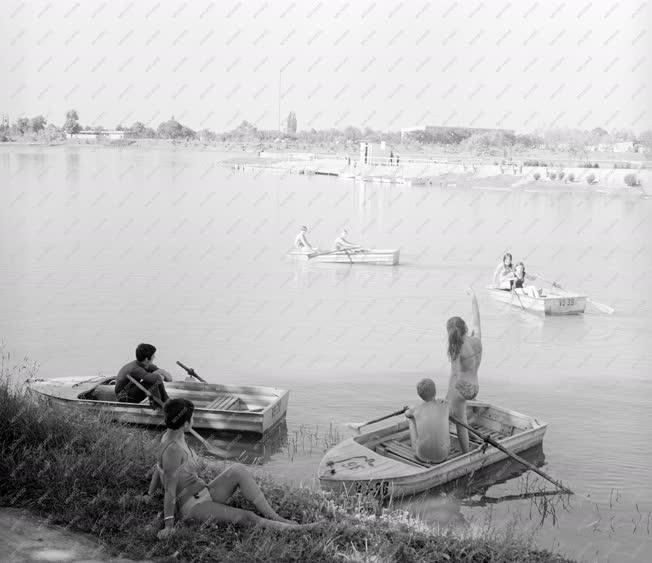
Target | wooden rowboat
(382,461)
(386,257)
(554,303)
(217,407)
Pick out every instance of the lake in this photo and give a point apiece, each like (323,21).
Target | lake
(106,247)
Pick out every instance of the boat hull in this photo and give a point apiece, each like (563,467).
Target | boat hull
(551,304)
(267,406)
(353,466)
(382,257)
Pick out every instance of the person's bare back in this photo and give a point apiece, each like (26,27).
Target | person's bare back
(429,427)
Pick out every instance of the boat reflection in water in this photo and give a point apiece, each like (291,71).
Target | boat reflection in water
(443,506)
(249,448)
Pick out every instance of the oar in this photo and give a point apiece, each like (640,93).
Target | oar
(495,444)
(358,425)
(519,297)
(599,306)
(191,372)
(344,251)
(219,452)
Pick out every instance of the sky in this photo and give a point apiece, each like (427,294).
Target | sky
(384,64)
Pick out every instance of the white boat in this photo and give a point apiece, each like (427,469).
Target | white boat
(217,407)
(552,303)
(382,461)
(374,256)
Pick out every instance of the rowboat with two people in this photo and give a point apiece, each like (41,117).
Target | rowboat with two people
(509,286)
(383,461)
(344,252)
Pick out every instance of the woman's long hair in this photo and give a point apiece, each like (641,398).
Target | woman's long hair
(456,330)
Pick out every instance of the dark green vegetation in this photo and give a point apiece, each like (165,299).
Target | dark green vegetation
(87,474)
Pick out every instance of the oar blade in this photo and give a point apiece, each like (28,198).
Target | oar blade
(602,307)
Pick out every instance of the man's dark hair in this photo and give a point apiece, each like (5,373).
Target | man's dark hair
(177,412)
(145,352)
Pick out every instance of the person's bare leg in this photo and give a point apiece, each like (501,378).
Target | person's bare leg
(237,475)
(222,513)
(458,409)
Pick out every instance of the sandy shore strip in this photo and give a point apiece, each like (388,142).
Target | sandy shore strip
(26,537)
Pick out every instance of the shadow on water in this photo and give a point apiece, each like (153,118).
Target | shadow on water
(250,448)
(244,447)
(443,506)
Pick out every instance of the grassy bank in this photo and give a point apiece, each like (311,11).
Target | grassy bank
(85,473)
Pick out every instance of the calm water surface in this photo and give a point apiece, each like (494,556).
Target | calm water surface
(103,248)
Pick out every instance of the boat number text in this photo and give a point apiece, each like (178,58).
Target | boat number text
(567,302)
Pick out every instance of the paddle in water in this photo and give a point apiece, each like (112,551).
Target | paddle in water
(599,306)
(495,444)
(219,452)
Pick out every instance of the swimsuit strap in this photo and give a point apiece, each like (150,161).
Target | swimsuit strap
(160,459)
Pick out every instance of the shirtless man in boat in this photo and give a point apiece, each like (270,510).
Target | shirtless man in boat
(429,429)
(301,242)
(341,243)
(143,370)
(465,354)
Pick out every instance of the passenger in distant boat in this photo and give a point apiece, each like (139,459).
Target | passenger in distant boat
(504,273)
(519,279)
(188,497)
(429,428)
(342,244)
(143,370)
(301,241)
(465,354)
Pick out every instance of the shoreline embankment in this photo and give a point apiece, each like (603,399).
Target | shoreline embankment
(81,472)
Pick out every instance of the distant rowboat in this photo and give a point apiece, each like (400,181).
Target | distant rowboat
(386,257)
(553,303)
(217,407)
(382,462)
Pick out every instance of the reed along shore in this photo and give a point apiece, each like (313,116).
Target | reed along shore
(87,474)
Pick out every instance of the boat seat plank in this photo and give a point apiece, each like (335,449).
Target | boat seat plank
(226,402)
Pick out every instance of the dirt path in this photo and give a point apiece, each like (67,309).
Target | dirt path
(25,537)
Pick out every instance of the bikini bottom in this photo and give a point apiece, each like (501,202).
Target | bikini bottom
(467,389)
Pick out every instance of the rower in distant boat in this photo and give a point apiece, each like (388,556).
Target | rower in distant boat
(504,273)
(342,244)
(429,428)
(301,242)
(518,282)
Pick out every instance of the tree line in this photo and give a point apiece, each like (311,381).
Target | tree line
(572,140)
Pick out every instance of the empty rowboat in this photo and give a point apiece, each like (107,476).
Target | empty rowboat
(217,407)
(385,257)
(382,462)
(553,303)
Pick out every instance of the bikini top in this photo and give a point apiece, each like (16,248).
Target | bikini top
(188,482)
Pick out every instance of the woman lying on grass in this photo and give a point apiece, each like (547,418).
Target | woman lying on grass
(188,497)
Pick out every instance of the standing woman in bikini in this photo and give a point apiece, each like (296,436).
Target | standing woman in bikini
(465,354)
(187,497)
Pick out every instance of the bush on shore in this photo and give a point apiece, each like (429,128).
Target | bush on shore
(85,473)
(632,180)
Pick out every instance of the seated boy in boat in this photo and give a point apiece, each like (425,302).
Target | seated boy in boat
(429,428)
(341,243)
(143,370)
